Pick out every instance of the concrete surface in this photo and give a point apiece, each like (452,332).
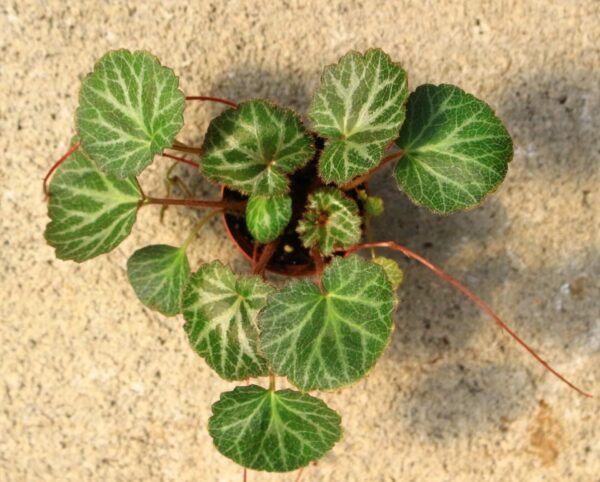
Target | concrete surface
(94,387)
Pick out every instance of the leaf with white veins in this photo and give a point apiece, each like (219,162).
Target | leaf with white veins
(456,150)
(130,108)
(268,216)
(359,109)
(90,212)
(323,339)
(253,148)
(220,311)
(330,221)
(158,274)
(276,431)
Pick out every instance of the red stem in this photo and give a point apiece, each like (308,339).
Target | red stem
(73,148)
(181,159)
(199,203)
(265,256)
(212,99)
(319,264)
(361,179)
(469,294)
(299,474)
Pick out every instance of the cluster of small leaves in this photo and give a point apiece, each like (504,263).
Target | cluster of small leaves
(320,335)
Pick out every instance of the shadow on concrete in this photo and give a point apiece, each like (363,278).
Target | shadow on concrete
(456,400)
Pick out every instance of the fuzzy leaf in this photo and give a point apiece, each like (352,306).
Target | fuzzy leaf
(158,274)
(90,212)
(358,108)
(254,147)
(276,431)
(130,108)
(374,206)
(330,221)
(392,270)
(220,311)
(325,339)
(455,149)
(267,216)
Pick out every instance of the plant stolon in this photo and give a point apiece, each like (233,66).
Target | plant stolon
(295,195)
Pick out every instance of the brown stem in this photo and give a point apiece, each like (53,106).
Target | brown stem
(469,294)
(236,206)
(264,258)
(299,474)
(183,148)
(73,148)
(212,99)
(361,179)
(315,254)
(181,159)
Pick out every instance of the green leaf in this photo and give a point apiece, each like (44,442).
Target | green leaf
(358,108)
(330,337)
(455,149)
(254,147)
(158,274)
(267,216)
(276,431)
(374,206)
(392,270)
(90,212)
(330,221)
(220,311)
(130,108)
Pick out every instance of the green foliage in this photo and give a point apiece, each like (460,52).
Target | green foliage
(267,216)
(331,221)
(220,311)
(276,431)
(455,149)
(392,270)
(130,108)
(358,108)
(321,334)
(90,212)
(325,338)
(253,148)
(158,274)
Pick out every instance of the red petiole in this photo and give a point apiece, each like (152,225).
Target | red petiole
(73,148)
(469,294)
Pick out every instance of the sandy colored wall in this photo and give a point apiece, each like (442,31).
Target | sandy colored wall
(95,387)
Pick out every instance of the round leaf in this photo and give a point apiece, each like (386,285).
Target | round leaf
(268,216)
(276,431)
(455,149)
(130,108)
(359,108)
(90,212)
(158,274)
(220,311)
(330,221)
(254,147)
(392,270)
(330,337)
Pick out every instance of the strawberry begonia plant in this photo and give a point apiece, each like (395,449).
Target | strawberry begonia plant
(296,202)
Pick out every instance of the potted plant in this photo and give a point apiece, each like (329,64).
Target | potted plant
(295,201)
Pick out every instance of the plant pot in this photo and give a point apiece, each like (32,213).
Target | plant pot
(291,258)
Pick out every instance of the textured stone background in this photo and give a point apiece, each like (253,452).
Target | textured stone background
(95,387)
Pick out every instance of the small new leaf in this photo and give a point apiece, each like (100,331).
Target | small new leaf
(358,108)
(392,270)
(455,149)
(326,338)
(90,212)
(158,274)
(276,431)
(267,216)
(220,311)
(253,148)
(330,221)
(130,108)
